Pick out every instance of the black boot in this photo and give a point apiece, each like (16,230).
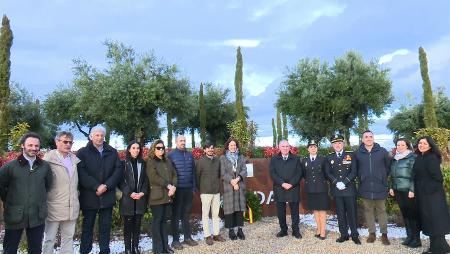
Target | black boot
(415,235)
(240,234)
(231,234)
(408,232)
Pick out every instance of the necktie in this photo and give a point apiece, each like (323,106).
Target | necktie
(312,159)
(339,155)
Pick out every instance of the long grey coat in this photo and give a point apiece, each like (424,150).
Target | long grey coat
(233,201)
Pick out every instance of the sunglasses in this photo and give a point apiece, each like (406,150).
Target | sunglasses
(66,142)
(160,148)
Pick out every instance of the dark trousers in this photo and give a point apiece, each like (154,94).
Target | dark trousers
(34,240)
(439,245)
(346,213)
(235,219)
(159,232)
(104,229)
(181,209)
(131,231)
(281,213)
(407,206)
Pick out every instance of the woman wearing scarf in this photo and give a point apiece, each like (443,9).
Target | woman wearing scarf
(402,189)
(233,172)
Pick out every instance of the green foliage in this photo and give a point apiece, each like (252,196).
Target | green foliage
(245,133)
(411,119)
(440,135)
(6,40)
(279,130)
(25,108)
(430,119)
(274,132)
(322,100)
(202,116)
(255,204)
(16,133)
(446,175)
(285,129)
(238,86)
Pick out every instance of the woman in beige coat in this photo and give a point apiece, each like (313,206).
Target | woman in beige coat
(62,200)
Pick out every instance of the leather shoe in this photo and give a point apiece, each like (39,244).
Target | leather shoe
(297,235)
(371,238)
(281,234)
(322,237)
(342,239)
(218,238)
(231,234)
(190,242)
(209,240)
(177,245)
(356,240)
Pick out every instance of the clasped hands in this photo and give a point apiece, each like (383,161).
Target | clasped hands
(286,186)
(136,196)
(101,189)
(340,185)
(235,183)
(171,189)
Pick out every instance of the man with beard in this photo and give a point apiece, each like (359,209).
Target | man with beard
(24,183)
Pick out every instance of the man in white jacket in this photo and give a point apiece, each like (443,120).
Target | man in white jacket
(62,201)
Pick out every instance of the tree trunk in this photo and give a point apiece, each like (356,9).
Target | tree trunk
(346,133)
(193,137)
(107,134)
(169,130)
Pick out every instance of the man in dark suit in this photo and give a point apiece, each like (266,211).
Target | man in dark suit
(286,172)
(342,176)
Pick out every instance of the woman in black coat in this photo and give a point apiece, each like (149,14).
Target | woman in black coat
(432,205)
(133,204)
(316,186)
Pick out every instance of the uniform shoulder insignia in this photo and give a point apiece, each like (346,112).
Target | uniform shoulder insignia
(349,151)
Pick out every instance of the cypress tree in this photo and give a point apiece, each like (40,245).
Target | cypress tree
(238,86)
(429,113)
(285,129)
(6,40)
(202,115)
(279,130)
(274,131)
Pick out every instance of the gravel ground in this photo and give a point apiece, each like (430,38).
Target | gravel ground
(260,238)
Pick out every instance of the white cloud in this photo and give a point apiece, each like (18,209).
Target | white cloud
(266,8)
(244,43)
(254,82)
(388,57)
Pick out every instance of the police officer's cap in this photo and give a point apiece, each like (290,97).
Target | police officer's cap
(312,143)
(337,138)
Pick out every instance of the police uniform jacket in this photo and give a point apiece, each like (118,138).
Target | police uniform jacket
(339,169)
(314,172)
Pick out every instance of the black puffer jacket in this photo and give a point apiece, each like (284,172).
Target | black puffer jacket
(373,170)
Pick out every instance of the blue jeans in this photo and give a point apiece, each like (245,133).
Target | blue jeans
(104,225)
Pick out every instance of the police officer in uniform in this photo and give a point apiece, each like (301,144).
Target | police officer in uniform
(316,186)
(342,183)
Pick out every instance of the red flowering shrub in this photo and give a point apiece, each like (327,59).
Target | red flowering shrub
(123,153)
(271,151)
(197,153)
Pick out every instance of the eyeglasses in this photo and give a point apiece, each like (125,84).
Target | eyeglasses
(160,148)
(66,142)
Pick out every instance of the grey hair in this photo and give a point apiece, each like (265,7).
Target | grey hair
(283,140)
(63,133)
(98,128)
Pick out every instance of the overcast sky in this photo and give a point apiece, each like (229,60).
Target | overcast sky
(201,38)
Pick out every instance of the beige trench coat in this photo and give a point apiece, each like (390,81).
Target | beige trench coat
(62,199)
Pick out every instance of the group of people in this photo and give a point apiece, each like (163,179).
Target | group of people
(42,196)
(412,177)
